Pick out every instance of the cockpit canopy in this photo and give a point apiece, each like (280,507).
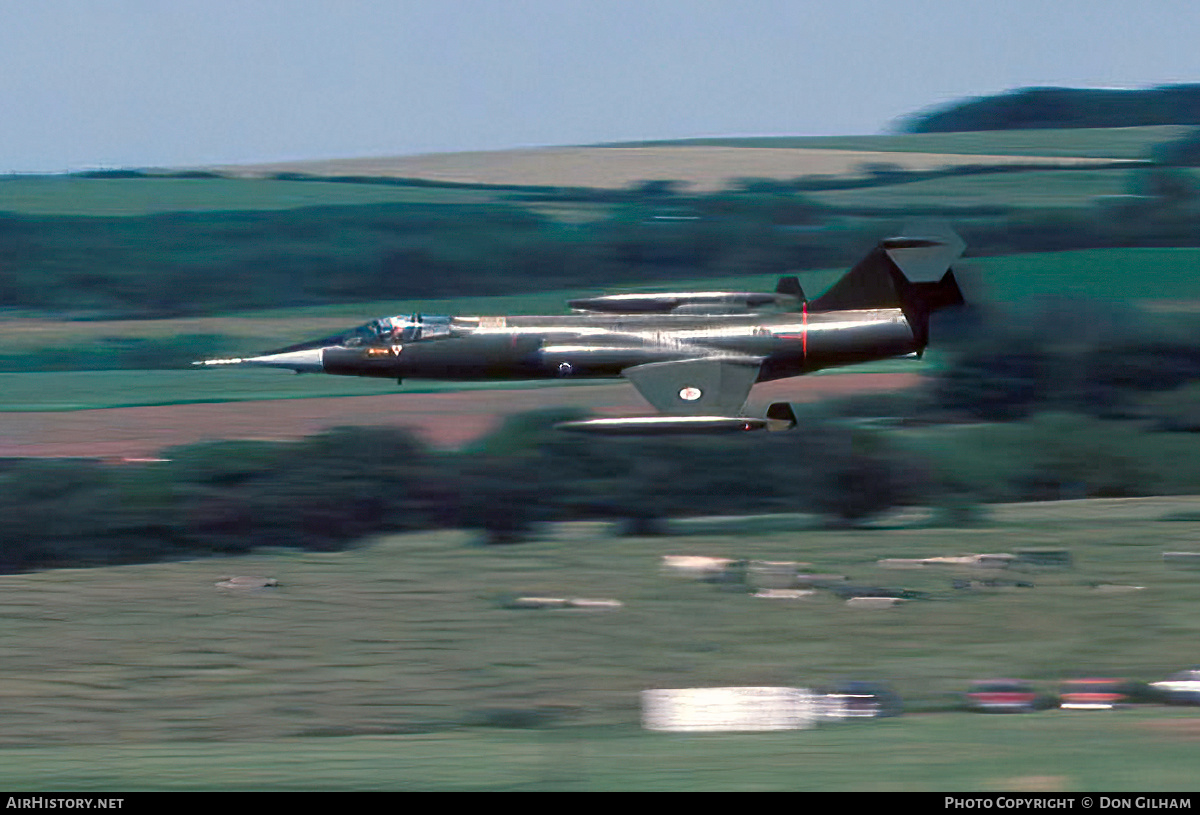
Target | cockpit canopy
(385,331)
(388,330)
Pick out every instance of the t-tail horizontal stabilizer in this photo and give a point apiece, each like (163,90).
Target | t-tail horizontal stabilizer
(911,273)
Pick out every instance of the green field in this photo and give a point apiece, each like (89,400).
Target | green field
(1151,277)
(376,668)
(1061,189)
(1052,752)
(1114,142)
(70,195)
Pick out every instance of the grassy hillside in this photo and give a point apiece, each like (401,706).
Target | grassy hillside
(705,167)
(99,196)
(1025,190)
(155,246)
(1114,142)
(102,197)
(376,668)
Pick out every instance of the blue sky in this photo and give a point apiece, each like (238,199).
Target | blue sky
(137,83)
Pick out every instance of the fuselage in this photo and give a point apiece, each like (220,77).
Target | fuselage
(693,356)
(604,345)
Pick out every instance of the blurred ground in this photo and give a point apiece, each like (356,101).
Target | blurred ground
(400,664)
(444,420)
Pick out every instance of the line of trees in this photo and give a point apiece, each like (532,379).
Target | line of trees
(1036,108)
(187,264)
(207,263)
(330,490)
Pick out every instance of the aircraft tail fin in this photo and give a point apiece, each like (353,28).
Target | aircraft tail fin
(910,273)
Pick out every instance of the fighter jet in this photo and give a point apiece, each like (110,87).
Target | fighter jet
(694,356)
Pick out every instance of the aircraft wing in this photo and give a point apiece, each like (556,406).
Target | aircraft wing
(706,386)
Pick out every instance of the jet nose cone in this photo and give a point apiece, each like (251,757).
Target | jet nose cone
(311,360)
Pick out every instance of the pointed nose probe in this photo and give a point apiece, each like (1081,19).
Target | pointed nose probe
(310,360)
